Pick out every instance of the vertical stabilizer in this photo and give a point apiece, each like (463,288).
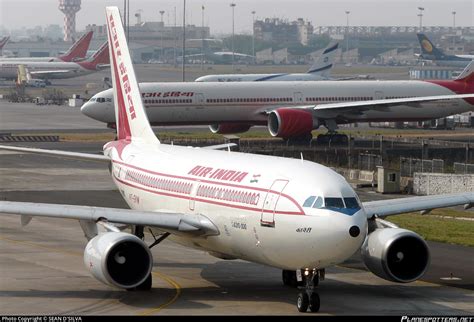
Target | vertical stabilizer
(132,121)
(428,48)
(79,49)
(323,64)
(467,74)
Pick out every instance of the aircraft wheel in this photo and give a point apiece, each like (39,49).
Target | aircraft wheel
(302,302)
(314,302)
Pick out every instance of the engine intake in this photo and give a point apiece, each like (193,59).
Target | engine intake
(288,123)
(229,128)
(396,254)
(118,259)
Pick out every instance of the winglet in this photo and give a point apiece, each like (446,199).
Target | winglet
(78,49)
(132,121)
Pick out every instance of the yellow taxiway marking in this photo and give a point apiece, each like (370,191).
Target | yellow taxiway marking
(162,276)
(171,282)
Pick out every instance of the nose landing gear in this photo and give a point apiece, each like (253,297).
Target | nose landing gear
(308,298)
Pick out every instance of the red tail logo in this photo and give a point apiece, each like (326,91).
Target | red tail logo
(79,49)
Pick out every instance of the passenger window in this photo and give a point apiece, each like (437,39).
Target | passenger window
(318,203)
(308,202)
(334,202)
(351,203)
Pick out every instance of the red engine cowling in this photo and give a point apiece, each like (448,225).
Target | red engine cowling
(229,128)
(287,123)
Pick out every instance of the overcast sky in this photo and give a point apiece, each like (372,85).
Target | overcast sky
(218,13)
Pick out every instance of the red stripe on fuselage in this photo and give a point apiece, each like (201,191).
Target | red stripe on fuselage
(260,210)
(457,86)
(225,184)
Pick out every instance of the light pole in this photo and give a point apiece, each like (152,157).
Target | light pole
(347,33)
(421,17)
(162,12)
(184,40)
(454,28)
(253,36)
(202,37)
(232,5)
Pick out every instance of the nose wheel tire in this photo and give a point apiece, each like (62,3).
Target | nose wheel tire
(302,302)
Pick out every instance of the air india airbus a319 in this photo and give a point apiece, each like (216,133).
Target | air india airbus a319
(287,213)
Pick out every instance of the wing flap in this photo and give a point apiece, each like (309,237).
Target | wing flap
(384,208)
(197,224)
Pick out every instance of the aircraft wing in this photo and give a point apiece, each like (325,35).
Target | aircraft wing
(358,107)
(177,222)
(384,208)
(44,73)
(58,153)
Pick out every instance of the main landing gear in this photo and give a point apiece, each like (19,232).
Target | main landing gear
(332,138)
(138,231)
(307,298)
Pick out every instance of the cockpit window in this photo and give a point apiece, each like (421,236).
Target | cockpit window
(351,203)
(308,202)
(92,99)
(334,202)
(318,203)
(100,99)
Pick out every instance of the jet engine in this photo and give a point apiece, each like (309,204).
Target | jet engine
(119,259)
(229,128)
(289,123)
(396,254)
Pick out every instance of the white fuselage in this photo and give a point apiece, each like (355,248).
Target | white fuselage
(9,70)
(208,103)
(255,201)
(260,77)
(29,59)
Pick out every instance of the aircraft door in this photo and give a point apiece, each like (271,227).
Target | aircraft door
(199,98)
(270,203)
(379,95)
(298,98)
(192,196)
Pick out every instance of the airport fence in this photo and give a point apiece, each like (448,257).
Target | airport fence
(369,161)
(408,166)
(463,168)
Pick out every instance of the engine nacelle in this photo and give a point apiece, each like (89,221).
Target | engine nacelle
(118,259)
(396,254)
(229,128)
(288,123)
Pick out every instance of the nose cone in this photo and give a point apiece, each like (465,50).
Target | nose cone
(348,234)
(96,111)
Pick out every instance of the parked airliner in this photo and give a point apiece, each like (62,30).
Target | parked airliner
(321,69)
(75,53)
(430,52)
(291,110)
(56,70)
(286,213)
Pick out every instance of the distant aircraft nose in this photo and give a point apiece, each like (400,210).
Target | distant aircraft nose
(95,110)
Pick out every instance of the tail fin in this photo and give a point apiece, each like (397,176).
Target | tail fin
(428,48)
(132,121)
(100,57)
(467,74)
(4,41)
(323,64)
(78,49)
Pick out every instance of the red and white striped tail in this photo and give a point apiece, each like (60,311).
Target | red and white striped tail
(132,121)
(467,74)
